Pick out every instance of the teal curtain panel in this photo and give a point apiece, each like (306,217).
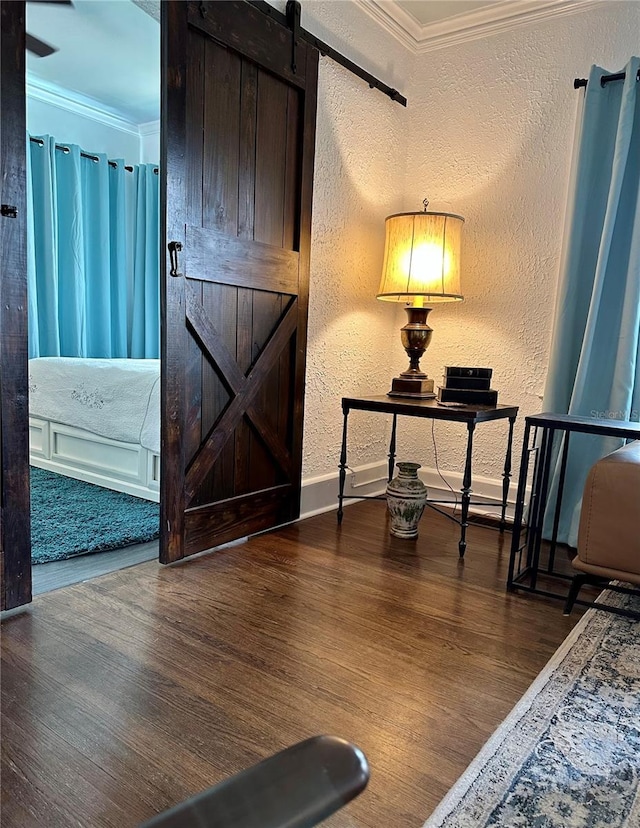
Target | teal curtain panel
(594,366)
(93,255)
(145,325)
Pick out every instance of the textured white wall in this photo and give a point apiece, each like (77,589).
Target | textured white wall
(150,143)
(491,132)
(488,133)
(361,152)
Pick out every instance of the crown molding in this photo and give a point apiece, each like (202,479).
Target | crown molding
(399,23)
(501,16)
(149,128)
(86,107)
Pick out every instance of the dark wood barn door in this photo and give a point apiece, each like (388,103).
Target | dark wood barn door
(15,534)
(239,150)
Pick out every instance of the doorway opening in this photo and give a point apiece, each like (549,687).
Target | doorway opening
(93,247)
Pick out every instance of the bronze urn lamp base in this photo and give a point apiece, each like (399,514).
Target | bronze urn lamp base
(416,336)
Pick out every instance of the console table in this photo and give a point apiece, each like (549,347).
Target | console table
(432,410)
(540,449)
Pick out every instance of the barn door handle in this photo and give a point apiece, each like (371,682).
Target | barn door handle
(174,248)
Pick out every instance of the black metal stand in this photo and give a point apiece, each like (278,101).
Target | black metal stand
(429,409)
(392,447)
(466,491)
(538,446)
(506,474)
(343,466)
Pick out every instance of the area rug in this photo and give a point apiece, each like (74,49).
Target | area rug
(69,518)
(568,755)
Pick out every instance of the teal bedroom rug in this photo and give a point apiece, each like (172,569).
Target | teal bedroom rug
(568,755)
(69,518)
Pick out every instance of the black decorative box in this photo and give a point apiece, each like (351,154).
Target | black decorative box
(468,396)
(468,383)
(457,371)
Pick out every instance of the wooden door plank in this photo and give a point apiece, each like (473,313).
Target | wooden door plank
(290,241)
(306,200)
(243,356)
(292,172)
(247,152)
(195,93)
(222,139)
(271,148)
(272,442)
(193,197)
(173,36)
(193,390)
(285,386)
(220,303)
(246,218)
(213,341)
(267,309)
(236,517)
(195,114)
(15,531)
(217,257)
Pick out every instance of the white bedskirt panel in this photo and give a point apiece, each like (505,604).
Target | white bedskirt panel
(114,398)
(123,467)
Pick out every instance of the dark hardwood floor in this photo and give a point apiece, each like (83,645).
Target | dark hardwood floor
(58,574)
(124,695)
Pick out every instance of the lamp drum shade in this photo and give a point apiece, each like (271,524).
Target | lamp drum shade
(422,258)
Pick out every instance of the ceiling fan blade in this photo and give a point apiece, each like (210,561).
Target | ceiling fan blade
(39,47)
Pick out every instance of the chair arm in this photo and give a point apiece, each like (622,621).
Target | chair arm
(296,788)
(608,536)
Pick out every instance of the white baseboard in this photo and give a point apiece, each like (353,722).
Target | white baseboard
(486,491)
(320,493)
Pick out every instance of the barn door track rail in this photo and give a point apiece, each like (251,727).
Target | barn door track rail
(291,19)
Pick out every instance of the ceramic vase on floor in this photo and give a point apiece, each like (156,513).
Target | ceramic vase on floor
(406,499)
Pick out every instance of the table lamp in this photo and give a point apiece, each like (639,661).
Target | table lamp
(421,265)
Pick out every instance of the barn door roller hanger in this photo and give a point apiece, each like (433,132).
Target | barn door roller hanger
(291,19)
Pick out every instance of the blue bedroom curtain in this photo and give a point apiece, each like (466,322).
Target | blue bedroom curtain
(145,305)
(92,255)
(595,356)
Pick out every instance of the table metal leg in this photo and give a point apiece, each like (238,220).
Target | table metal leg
(392,448)
(519,513)
(506,474)
(541,436)
(560,492)
(343,466)
(466,491)
(542,506)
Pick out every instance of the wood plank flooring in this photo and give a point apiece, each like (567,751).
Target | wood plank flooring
(58,574)
(126,694)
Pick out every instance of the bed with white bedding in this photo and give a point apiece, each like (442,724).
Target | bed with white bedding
(97,420)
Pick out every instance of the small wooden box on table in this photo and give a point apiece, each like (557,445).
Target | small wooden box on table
(471,415)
